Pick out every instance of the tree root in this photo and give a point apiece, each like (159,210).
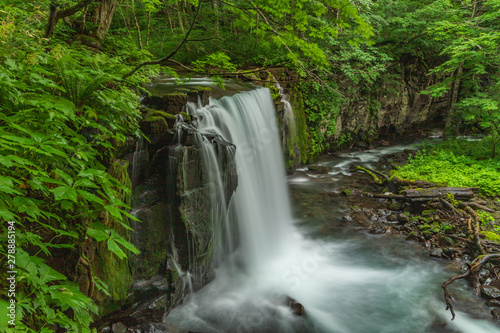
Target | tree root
(450,207)
(477,229)
(472,273)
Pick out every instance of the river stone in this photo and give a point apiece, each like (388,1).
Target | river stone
(490,292)
(119,328)
(412,236)
(484,274)
(496,314)
(402,218)
(495,283)
(318,168)
(393,218)
(395,206)
(437,252)
(446,241)
(427,234)
(494,303)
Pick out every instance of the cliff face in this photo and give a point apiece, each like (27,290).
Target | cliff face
(360,116)
(401,106)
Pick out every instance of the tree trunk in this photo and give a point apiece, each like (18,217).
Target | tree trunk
(449,125)
(103,16)
(215,7)
(137,25)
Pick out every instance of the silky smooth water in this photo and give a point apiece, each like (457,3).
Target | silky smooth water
(355,284)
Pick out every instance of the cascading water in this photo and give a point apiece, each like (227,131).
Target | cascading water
(344,286)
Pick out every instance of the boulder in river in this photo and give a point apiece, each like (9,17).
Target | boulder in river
(297,308)
(437,252)
(494,303)
(318,168)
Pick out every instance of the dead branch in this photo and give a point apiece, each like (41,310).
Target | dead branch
(378,177)
(479,206)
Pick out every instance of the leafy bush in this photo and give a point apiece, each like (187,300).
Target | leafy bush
(63,110)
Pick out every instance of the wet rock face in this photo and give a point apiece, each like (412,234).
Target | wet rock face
(173,203)
(171,197)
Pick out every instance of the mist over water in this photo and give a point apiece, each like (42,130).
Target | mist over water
(349,285)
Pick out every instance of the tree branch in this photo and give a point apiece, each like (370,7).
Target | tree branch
(56,15)
(162,60)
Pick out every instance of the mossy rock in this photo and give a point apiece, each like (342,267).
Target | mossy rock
(425,227)
(428,212)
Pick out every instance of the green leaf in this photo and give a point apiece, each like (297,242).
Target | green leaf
(90,197)
(7,215)
(67,178)
(60,192)
(48,274)
(98,235)
(84,183)
(113,247)
(129,246)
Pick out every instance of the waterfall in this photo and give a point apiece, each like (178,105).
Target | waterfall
(260,204)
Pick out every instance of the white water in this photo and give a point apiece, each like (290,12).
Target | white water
(345,286)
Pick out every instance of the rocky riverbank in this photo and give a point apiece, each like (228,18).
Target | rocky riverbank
(451,224)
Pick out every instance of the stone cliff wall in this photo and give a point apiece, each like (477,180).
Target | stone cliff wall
(385,111)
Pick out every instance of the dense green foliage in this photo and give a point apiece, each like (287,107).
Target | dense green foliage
(456,163)
(63,110)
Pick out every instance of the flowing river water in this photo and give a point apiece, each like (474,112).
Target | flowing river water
(293,243)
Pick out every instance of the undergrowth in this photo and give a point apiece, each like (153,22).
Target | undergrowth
(455,163)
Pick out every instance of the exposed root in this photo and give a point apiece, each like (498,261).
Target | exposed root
(450,206)
(472,273)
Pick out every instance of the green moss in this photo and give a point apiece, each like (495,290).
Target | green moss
(428,212)
(494,237)
(185,115)
(152,114)
(115,272)
(347,192)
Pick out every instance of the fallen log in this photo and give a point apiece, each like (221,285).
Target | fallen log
(389,196)
(378,177)
(424,194)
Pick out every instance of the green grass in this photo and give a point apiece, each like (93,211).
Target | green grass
(455,163)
